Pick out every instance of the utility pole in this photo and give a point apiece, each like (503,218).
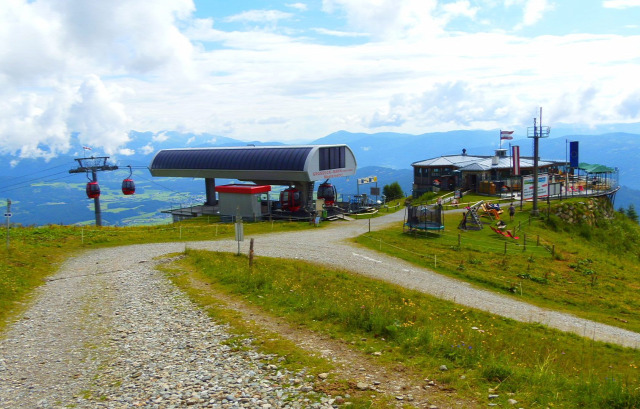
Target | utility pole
(537,132)
(8,216)
(94,165)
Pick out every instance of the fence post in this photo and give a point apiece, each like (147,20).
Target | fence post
(458,239)
(524,242)
(251,253)
(538,241)
(553,250)
(435,261)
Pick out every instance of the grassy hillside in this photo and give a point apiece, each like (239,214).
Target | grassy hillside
(588,268)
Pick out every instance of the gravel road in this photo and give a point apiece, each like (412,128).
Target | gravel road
(110,331)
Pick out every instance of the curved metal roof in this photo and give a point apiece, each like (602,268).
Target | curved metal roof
(280,158)
(260,164)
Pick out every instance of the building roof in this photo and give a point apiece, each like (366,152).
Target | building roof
(469,163)
(260,164)
(243,189)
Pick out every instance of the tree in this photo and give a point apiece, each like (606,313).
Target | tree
(393,191)
(631,213)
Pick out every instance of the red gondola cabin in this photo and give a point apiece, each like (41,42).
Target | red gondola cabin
(327,192)
(93,190)
(290,199)
(128,186)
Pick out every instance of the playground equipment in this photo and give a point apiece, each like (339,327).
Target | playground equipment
(470,219)
(423,217)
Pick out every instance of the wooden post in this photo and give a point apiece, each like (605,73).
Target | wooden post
(553,250)
(538,241)
(251,253)
(524,241)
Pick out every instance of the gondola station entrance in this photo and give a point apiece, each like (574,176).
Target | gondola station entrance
(297,168)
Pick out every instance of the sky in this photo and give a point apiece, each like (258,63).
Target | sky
(91,71)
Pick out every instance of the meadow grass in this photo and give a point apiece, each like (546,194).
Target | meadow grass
(588,271)
(533,364)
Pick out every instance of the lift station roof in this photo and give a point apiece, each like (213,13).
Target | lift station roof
(260,164)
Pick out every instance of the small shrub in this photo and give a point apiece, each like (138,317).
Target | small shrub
(496,372)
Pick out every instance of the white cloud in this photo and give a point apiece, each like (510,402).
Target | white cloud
(534,11)
(630,106)
(147,149)
(460,8)
(259,16)
(126,152)
(298,6)
(620,4)
(98,116)
(336,33)
(386,19)
(160,137)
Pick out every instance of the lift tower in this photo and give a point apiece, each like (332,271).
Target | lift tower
(538,131)
(94,165)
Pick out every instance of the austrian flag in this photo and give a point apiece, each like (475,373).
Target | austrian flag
(506,135)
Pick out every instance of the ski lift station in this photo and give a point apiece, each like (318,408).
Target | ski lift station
(297,167)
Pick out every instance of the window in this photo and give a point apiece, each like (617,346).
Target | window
(332,158)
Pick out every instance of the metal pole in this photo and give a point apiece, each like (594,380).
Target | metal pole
(96,200)
(534,210)
(8,216)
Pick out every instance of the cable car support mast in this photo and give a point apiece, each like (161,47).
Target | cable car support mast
(93,165)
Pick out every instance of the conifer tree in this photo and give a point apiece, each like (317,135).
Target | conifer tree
(631,213)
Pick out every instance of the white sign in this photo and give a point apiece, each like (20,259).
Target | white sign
(527,187)
(370,179)
(7,215)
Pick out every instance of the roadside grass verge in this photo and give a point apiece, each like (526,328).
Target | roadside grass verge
(37,252)
(533,364)
(590,272)
(285,353)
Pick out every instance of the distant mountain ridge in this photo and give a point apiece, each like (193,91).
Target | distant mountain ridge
(44,192)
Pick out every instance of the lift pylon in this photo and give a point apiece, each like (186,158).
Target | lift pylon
(93,165)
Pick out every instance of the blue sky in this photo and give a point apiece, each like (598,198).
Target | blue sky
(295,71)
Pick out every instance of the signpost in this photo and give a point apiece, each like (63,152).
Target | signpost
(364,181)
(239,229)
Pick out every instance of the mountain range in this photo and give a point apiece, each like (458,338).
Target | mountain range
(44,192)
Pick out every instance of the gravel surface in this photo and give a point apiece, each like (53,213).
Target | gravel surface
(110,331)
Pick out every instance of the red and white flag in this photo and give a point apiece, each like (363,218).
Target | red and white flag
(515,157)
(506,135)
(86,148)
